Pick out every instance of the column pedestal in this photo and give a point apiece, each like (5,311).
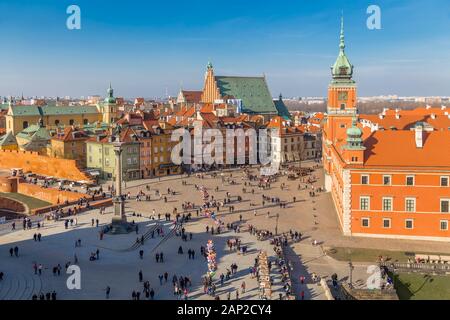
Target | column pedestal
(119,224)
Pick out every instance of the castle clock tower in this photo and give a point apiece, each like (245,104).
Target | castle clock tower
(341,107)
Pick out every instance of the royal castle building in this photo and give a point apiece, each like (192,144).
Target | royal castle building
(389,175)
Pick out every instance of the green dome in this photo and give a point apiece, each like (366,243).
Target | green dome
(110,98)
(354,132)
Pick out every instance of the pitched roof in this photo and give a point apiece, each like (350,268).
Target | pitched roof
(52,110)
(34,133)
(8,139)
(191,96)
(252,91)
(71,134)
(398,148)
(407,120)
(282,109)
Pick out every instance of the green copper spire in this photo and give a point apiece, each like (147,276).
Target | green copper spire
(342,70)
(110,98)
(209,65)
(342,42)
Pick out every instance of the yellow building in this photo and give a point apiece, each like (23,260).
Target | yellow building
(19,117)
(69,144)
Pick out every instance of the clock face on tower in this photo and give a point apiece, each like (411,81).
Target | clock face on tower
(343,95)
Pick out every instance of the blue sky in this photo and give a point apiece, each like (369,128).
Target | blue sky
(144,47)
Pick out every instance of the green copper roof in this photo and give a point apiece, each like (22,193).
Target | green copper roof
(252,91)
(8,139)
(33,133)
(282,109)
(51,110)
(24,111)
(342,68)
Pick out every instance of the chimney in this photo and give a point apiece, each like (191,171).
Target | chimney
(397,116)
(419,136)
(433,116)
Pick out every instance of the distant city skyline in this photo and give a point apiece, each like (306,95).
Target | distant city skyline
(146,48)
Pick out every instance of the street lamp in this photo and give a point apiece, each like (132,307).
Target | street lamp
(351,267)
(276,226)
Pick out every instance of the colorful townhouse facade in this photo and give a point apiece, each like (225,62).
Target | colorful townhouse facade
(100,155)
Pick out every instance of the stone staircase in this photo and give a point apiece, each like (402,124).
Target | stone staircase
(147,236)
(20,286)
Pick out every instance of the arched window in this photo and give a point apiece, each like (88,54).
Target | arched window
(56,122)
(25,124)
(71,122)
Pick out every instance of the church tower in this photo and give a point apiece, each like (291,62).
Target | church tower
(210,90)
(110,107)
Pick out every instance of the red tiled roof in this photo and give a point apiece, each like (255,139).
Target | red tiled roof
(398,148)
(192,96)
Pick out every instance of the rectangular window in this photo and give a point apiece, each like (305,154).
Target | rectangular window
(445,204)
(444,181)
(364,179)
(387,204)
(128,161)
(106,151)
(365,222)
(387,180)
(364,203)
(409,224)
(443,225)
(386,223)
(410,204)
(410,180)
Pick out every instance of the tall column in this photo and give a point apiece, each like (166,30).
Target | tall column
(119,203)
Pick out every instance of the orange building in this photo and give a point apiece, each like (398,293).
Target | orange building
(389,175)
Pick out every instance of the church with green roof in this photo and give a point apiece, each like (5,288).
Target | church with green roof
(250,95)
